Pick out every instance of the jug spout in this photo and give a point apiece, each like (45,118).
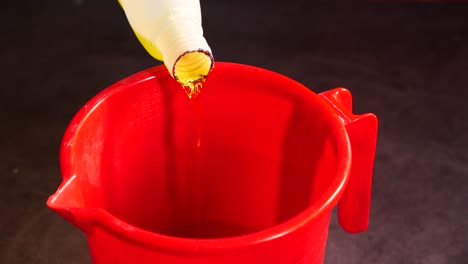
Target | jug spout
(68,202)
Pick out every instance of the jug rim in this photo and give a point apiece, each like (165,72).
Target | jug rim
(198,246)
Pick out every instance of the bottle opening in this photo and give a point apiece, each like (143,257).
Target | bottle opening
(192,67)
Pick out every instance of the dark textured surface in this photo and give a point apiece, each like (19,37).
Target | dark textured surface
(406,63)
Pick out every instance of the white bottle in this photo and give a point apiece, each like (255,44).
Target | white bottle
(171,31)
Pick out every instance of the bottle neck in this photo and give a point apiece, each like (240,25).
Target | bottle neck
(171,30)
(185,51)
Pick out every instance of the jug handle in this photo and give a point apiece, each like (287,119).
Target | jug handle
(354,204)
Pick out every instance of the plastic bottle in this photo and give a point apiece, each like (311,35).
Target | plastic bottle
(171,31)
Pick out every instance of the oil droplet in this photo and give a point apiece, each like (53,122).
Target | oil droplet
(193,87)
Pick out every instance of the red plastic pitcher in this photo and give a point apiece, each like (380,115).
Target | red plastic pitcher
(247,173)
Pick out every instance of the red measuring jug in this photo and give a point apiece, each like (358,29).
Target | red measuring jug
(246,173)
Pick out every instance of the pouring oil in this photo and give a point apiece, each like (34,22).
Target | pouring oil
(199,224)
(193,89)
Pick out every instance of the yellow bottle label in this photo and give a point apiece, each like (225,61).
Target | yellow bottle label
(149,47)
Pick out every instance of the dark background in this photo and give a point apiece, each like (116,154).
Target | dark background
(407,63)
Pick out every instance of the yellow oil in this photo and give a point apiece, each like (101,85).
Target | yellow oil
(193,87)
(193,90)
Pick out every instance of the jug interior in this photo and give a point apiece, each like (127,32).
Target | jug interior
(266,152)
